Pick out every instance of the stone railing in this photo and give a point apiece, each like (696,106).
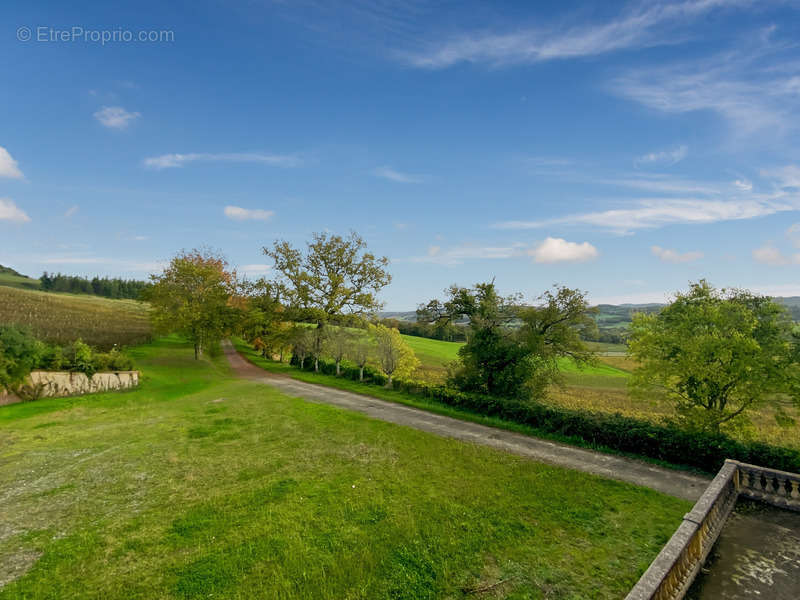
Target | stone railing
(674,569)
(778,488)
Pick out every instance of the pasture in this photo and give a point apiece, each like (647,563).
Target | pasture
(63,318)
(603,387)
(199,485)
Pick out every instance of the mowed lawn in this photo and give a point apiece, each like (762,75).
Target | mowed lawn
(198,485)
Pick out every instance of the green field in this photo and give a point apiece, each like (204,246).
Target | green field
(198,485)
(62,318)
(10,278)
(435,354)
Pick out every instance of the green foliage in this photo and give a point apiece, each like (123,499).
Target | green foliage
(21,353)
(394,356)
(196,296)
(336,276)
(108,288)
(513,350)
(715,354)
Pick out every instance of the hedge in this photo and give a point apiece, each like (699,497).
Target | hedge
(667,442)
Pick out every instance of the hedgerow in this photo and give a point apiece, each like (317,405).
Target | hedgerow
(666,442)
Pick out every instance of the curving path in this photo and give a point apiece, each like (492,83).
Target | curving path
(672,482)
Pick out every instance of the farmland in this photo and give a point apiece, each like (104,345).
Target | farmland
(63,318)
(603,387)
(200,485)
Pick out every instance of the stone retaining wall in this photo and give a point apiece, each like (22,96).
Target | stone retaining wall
(62,383)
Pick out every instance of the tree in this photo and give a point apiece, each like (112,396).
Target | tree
(195,296)
(395,356)
(362,350)
(512,350)
(338,344)
(336,276)
(715,354)
(301,343)
(20,353)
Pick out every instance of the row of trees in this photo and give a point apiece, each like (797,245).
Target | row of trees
(714,353)
(97,286)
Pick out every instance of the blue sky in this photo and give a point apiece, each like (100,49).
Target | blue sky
(622,148)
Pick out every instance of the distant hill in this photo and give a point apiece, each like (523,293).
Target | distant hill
(11,278)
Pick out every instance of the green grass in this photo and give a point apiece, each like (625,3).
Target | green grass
(198,485)
(62,318)
(13,279)
(435,354)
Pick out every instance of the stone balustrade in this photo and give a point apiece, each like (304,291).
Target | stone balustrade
(674,569)
(778,488)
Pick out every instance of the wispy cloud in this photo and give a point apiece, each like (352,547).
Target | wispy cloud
(743,87)
(115,117)
(11,212)
(673,256)
(237,213)
(172,161)
(457,255)
(646,24)
(770,255)
(555,250)
(649,213)
(71,211)
(8,166)
(664,157)
(398,176)
(743,184)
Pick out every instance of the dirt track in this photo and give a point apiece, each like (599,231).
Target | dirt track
(669,481)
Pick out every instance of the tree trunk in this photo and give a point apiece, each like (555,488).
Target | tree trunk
(389,383)
(361,374)
(281,354)
(302,363)
(196,351)
(316,365)
(337,368)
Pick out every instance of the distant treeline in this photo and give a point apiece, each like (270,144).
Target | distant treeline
(105,287)
(443,331)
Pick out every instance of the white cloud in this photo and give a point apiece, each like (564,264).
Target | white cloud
(255,269)
(8,166)
(11,212)
(785,177)
(398,176)
(744,185)
(770,255)
(650,213)
(665,157)
(645,25)
(673,256)
(458,254)
(115,117)
(170,161)
(71,211)
(553,250)
(237,213)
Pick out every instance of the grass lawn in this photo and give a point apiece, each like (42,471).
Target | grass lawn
(198,485)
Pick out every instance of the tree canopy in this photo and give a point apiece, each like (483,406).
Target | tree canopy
(512,350)
(335,276)
(196,296)
(715,354)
